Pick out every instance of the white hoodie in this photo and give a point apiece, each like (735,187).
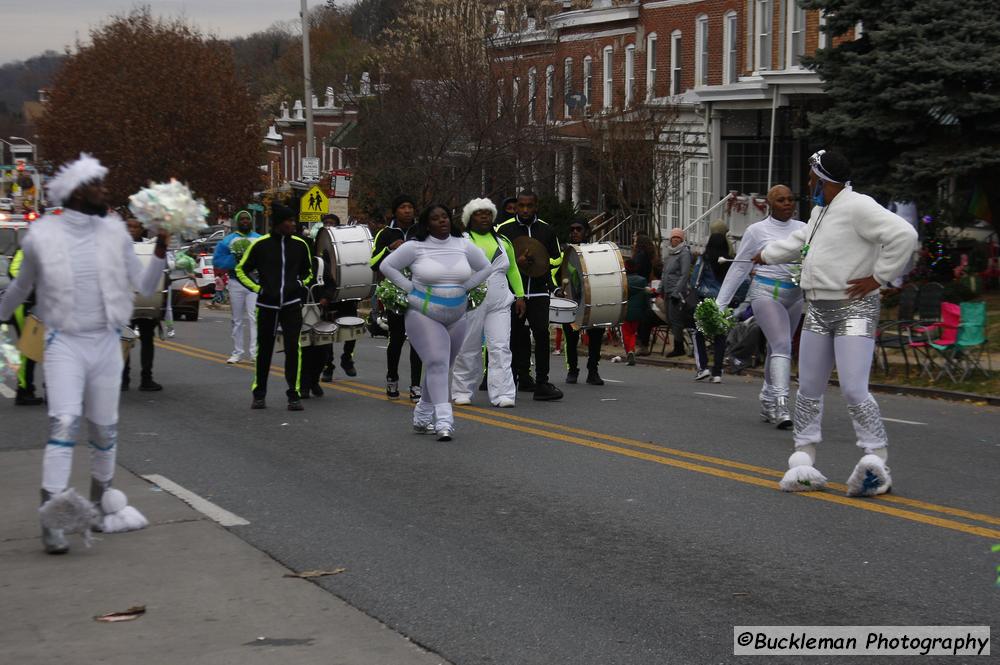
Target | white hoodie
(854,237)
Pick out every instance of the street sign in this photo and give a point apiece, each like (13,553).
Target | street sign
(313,205)
(310,168)
(255,207)
(342,184)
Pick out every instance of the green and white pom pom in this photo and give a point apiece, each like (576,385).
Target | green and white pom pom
(184,261)
(10,357)
(239,246)
(477,296)
(392,297)
(712,320)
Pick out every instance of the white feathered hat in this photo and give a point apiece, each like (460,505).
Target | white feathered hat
(476,205)
(73,174)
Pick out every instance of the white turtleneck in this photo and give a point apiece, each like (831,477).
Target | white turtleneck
(756,238)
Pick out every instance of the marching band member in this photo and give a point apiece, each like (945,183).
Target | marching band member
(491,320)
(850,249)
(342,308)
(444,267)
(25,395)
(579,232)
(83,269)
(386,241)
(242,301)
(147,330)
(776,301)
(282,261)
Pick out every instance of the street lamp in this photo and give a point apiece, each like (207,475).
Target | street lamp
(34,148)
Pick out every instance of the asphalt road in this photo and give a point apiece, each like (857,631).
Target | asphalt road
(636,522)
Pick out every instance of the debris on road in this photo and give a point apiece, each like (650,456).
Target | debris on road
(310,574)
(131,614)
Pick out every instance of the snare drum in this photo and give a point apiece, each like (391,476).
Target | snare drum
(562,310)
(128,338)
(148,307)
(305,338)
(349,327)
(348,250)
(596,275)
(324,333)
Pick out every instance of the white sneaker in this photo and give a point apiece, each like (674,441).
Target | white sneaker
(171,332)
(504,403)
(235,358)
(702,374)
(716,379)
(462,400)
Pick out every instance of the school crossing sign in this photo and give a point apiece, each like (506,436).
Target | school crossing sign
(313,205)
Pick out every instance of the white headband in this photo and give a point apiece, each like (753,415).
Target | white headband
(72,175)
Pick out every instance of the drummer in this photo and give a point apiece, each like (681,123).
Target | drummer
(579,233)
(339,309)
(316,357)
(535,323)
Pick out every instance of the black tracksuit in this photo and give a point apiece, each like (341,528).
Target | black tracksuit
(397,325)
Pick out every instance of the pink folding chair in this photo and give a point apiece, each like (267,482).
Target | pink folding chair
(926,341)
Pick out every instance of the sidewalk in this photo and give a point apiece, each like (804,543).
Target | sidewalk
(210,597)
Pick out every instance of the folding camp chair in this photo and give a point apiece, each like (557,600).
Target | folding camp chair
(895,334)
(967,352)
(929,343)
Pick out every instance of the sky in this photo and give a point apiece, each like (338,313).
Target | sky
(30,27)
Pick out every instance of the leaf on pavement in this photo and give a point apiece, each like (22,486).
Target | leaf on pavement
(310,574)
(131,614)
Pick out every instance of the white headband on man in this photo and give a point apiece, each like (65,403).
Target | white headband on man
(71,175)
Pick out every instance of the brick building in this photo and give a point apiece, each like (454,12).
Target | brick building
(728,72)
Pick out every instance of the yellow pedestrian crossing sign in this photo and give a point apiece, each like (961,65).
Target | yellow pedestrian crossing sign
(314,205)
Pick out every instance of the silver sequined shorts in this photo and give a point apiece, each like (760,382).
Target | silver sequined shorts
(843,318)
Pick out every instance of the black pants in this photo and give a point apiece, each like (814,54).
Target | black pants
(344,308)
(290,318)
(147,332)
(535,324)
(595,337)
(397,337)
(314,360)
(676,317)
(701,353)
(26,375)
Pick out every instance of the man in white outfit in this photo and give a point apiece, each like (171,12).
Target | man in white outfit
(851,248)
(242,301)
(490,322)
(83,269)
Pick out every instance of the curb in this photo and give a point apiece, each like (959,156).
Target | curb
(914,391)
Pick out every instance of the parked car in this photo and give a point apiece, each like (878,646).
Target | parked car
(7,205)
(204,275)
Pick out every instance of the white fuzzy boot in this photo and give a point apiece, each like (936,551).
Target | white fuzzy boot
(871,475)
(802,476)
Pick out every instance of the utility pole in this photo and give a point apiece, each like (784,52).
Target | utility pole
(307,75)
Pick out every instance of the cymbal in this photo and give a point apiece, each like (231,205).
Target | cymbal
(532,257)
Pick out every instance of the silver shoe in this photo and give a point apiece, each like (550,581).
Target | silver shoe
(53,540)
(424,429)
(444,435)
(767,408)
(782,418)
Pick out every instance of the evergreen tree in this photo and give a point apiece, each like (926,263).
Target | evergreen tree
(915,101)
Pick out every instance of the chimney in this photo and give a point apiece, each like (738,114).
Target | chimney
(298,110)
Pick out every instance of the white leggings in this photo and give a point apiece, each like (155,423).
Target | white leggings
(437,344)
(778,318)
(83,374)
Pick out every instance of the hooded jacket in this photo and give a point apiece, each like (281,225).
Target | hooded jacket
(535,228)
(284,269)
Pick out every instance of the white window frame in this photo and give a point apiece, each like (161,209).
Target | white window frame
(697,188)
(701,60)
(730,54)
(763,34)
(629,74)
(588,80)
(550,93)
(796,31)
(532,94)
(676,63)
(608,77)
(650,66)
(822,38)
(567,85)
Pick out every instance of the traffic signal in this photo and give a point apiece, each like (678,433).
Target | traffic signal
(20,165)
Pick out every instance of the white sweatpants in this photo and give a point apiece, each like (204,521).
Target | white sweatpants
(493,324)
(83,374)
(243,302)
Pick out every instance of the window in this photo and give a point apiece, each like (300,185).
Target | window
(701,51)
(730,56)
(764,17)
(796,33)
(588,79)
(567,85)
(651,66)
(550,93)
(608,77)
(675,63)
(532,93)
(629,74)
(747,164)
(699,191)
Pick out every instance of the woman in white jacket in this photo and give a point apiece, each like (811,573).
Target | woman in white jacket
(850,249)
(490,322)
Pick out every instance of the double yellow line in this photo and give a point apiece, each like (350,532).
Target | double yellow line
(887,504)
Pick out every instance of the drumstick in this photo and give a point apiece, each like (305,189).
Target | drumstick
(723,259)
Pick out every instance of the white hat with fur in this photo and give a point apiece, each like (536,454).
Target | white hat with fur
(73,174)
(475,205)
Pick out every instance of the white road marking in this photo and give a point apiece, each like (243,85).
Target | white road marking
(7,392)
(609,399)
(613,381)
(716,395)
(203,506)
(381,347)
(905,422)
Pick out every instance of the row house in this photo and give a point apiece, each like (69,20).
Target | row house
(727,73)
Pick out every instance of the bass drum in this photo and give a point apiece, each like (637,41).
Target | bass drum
(347,251)
(148,307)
(593,275)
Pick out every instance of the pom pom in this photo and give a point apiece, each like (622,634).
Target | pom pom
(393,298)
(801,477)
(712,320)
(799,458)
(10,357)
(184,261)
(239,247)
(126,519)
(477,296)
(69,512)
(869,478)
(168,206)
(113,501)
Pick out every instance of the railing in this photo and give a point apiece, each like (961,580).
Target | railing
(696,233)
(623,229)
